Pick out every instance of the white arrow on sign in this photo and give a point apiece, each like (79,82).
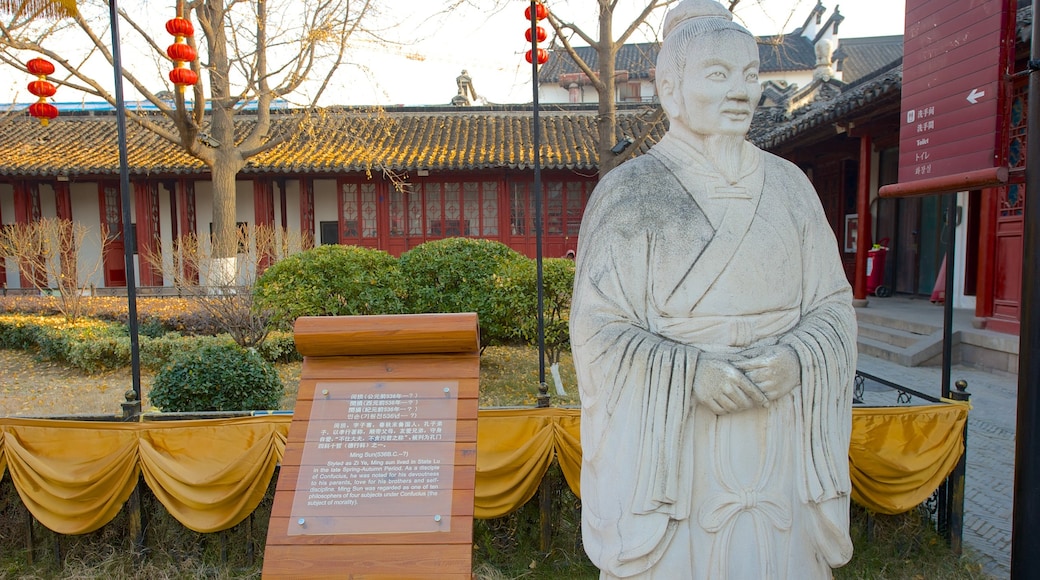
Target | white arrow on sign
(975,95)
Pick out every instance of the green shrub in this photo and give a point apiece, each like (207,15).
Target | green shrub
(18,332)
(217,377)
(465,275)
(99,354)
(330,280)
(158,352)
(280,347)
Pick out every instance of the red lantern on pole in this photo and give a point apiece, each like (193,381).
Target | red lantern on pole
(42,88)
(543,56)
(536,34)
(540,12)
(539,32)
(181,53)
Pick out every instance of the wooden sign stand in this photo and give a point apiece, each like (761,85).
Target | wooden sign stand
(380,461)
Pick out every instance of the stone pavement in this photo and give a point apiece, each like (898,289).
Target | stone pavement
(989,481)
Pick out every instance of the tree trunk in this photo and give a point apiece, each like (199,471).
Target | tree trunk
(224,233)
(607,118)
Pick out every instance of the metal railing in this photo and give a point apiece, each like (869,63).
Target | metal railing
(947,502)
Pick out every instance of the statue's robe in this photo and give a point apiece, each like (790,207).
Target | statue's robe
(675,263)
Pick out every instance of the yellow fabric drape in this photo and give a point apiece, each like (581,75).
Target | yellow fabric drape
(217,489)
(515,448)
(899,455)
(210,474)
(75,476)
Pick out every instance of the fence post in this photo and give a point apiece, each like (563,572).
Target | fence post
(545,510)
(955,495)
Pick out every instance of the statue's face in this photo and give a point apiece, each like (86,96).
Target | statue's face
(720,88)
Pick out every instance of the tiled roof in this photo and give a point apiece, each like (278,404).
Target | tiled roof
(862,56)
(342,141)
(636,58)
(785,52)
(883,87)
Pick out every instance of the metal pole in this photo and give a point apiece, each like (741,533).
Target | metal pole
(124,189)
(951,253)
(543,389)
(1025,521)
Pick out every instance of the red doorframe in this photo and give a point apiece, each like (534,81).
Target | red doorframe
(263,217)
(188,226)
(63,209)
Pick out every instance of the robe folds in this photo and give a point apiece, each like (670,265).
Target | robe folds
(673,264)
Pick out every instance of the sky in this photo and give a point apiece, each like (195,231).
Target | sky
(491,46)
(432,49)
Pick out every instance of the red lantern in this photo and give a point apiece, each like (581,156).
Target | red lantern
(40,67)
(539,31)
(183,77)
(42,89)
(180,27)
(43,111)
(543,56)
(540,12)
(181,52)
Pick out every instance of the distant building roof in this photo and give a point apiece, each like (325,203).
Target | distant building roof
(859,57)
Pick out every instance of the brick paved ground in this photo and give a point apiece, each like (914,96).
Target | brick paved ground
(989,481)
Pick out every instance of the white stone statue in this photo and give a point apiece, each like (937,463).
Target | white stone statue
(714,338)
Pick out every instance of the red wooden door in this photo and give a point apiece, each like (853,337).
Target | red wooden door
(114,260)
(358,214)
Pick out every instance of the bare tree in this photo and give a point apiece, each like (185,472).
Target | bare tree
(604,76)
(250,53)
(229,306)
(54,254)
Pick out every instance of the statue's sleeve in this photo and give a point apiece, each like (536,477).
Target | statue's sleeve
(825,340)
(636,390)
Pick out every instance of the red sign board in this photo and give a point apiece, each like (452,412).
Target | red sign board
(955,57)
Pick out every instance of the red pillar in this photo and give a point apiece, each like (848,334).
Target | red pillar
(863,240)
(307,212)
(27,211)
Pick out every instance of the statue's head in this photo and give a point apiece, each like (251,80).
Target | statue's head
(707,71)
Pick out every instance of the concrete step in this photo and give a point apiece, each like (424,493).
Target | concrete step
(922,352)
(893,336)
(865,316)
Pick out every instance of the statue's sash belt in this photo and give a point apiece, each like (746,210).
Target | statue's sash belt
(713,333)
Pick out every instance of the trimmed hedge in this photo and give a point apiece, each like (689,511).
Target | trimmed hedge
(467,275)
(328,281)
(217,377)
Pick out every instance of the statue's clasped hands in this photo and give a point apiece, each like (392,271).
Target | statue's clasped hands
(754,379)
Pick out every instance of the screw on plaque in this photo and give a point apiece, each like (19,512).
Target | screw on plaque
(325,392)
(301,521)
(437,518)
(447,392)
